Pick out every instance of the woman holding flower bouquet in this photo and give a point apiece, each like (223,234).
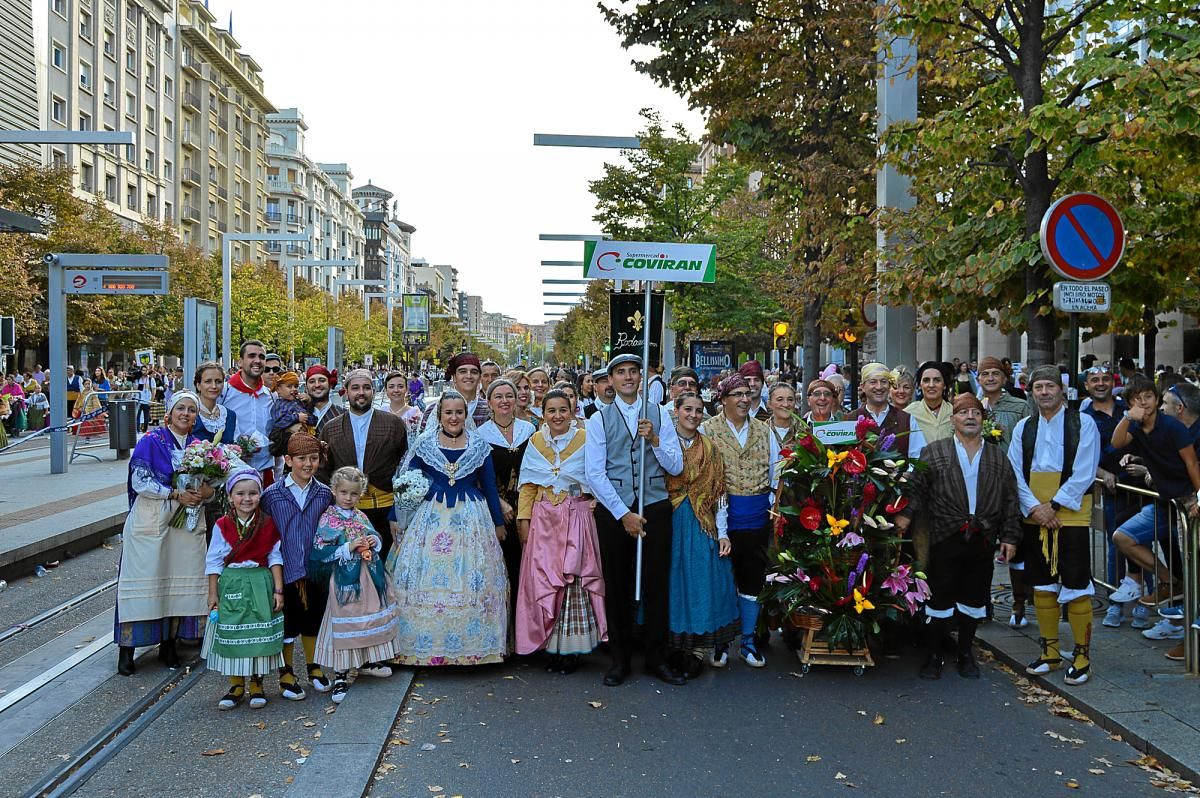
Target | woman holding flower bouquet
(451,587)
(161,587)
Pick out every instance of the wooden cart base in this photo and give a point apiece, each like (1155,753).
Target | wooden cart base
(817,652)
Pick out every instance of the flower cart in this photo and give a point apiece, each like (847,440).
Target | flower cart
(837,569)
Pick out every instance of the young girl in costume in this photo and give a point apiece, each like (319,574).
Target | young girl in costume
(359,628)
(245,587)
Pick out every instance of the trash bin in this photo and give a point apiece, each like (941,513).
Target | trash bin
(122,426)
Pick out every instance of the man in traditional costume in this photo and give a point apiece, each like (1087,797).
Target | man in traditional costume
(876,381)
(250,400)
(463,373)
(969,494)
(1054,455)
(318,384)
(752,372)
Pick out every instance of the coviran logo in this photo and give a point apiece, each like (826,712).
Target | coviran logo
(607,261)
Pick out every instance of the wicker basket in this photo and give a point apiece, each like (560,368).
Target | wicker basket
(806,621)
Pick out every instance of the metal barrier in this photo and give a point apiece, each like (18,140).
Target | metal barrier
(93,424)
(1175,544)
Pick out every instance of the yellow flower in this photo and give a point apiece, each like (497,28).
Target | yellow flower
(861,603)
(835,458)
(995,433)
(836,527)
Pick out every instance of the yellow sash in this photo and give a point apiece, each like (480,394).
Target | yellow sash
(375,499)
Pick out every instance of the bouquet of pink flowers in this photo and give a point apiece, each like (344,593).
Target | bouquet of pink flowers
(203,462)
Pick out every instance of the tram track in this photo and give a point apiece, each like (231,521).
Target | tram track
(56,611)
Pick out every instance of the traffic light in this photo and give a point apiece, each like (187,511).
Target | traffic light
(780,328)
(607,348)
(848,336)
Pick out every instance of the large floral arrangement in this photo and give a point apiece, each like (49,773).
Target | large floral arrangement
(836,554)
(203,462)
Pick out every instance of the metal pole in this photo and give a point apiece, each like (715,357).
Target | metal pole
(226,304)
(637,590)
(291,286)
(1073,361)
(57,302)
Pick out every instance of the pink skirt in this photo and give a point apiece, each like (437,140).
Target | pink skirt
(562,553)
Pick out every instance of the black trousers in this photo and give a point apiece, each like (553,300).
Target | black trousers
(301,619)
(618,558)
(960,572)
(379,519)
(510,547)
(1074,557)
(748,551)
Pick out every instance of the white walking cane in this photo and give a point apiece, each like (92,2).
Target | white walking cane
(645,413)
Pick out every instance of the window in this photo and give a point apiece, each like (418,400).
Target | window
(58,57)
(151,205)
(169,214)
(168,87)
(151,119)
(59,158)
(58,110)
(169,129)
(110,93)
(131,60)
(60,7)
(110,49)
(130,106)
(85,25)
(151,161)
(151,74)
(168,172)
(85,121)
(85,75)
(87,178)
(131,13)
(131,197)
(168,46)
(110,188)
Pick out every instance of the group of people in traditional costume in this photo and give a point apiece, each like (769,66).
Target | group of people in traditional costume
(543,500)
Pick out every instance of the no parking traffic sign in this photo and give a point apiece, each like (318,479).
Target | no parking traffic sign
(1082,237)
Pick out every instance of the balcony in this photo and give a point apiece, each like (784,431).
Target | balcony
(223,227)
(273,217)
(223,192)
(223,122)
(191,101)
(192,65)
(190,139)
(190,176)
(190,214)
(286,187)
(295,218)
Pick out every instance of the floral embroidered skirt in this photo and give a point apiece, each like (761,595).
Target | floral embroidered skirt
(450,587)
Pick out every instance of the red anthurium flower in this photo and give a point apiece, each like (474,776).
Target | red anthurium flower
(814,584)
(870,493)
(864,425)
(810,518)
(856,462)
(780,523)
(785,453)
(808,443)
(897,505)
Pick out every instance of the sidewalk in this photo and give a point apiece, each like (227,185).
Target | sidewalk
(43,514)
(1134,691)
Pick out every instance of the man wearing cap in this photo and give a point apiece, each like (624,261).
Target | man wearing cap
(602,385)
(752,372)
(876,386)
(463,374)
(318,384)
(615,452)
(683,380)
(250,400)
(969,496)
(1054,455)
(1005,408)
(748,449)
(373,442)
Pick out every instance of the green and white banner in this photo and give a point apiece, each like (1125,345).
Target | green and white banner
(640,260)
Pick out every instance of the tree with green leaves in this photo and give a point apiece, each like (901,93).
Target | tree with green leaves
(1024,101)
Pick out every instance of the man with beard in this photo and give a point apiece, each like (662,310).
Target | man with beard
(605,393)
(1054,456)
(250,400)
(752,372)
(876,388)
(969,494)
(318,384)
(372,441)
(463,373)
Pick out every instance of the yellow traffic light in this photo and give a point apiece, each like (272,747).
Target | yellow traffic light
(781,329)
(849,336)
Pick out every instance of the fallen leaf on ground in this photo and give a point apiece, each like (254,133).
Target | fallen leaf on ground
(515,761)
(464,764)
(308,724)
(1074,785)
(1057,736)
(901,740)
(813,758)
(879,719)
(435,789)
(1097,771)
(839,776)
(595,704)
(384,769)
(261,725)
(399,741)
(213,752)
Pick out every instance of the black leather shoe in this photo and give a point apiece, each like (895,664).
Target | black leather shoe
(667,675)
(167,654)
(617,674)
(932,669)
(692,667)
(125,661)
(568,664)
(967,667)
(553,663)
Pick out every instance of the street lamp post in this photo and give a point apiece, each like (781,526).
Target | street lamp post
(337,286)
(227,281)
(289,267)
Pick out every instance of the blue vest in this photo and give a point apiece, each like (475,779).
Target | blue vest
(623,458)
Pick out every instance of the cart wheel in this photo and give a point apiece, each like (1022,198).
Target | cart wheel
(804,668)
(859,670)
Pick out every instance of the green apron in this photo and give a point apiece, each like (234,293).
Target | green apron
(246,625)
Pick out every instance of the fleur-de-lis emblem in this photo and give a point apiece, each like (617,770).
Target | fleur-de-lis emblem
(636,320)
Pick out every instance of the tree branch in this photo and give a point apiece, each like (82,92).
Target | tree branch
(1054,39)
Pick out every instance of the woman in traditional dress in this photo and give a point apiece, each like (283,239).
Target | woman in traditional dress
(216,422)
(161,587)
(395,385)
(451,586)
(933,412)
(89,402)
(573,397)
(524,397)
(781,401)
(508,436)
(704,607)
(560,604)
(539,383)
(38,405)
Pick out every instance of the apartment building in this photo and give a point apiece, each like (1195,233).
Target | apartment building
(221,135)
(111,65)
(19,88)
(388,252)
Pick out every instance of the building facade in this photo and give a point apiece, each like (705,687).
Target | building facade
(388,244)
(19,88)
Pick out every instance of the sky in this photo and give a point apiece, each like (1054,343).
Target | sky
(438,100)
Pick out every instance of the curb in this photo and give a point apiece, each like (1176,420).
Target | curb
(20,561)
(344,760)
(1077,701)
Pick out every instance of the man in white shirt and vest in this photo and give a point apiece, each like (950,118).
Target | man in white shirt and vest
(1054,455)
(614,448)
(249,398)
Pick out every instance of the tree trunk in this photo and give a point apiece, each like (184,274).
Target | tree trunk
(1150,332)
(812,347)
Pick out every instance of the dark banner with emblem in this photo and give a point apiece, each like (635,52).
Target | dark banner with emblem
(627,324)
